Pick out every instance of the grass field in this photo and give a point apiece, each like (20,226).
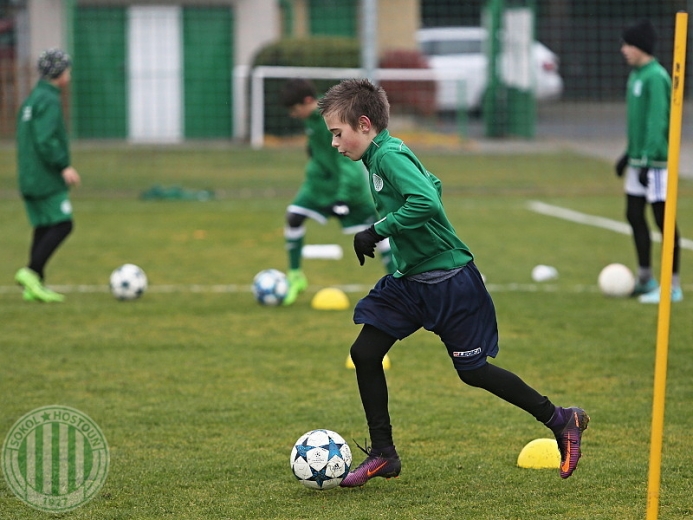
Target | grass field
(201,392)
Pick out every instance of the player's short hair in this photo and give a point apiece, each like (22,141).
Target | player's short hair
(295,91)
(353,98)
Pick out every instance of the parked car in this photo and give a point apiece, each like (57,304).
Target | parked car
(458,55)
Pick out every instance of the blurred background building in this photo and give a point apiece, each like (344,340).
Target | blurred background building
(170,71)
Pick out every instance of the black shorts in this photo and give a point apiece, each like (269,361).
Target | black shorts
(459,310)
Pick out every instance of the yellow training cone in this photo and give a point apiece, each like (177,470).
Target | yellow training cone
(540,454)
(330,299)
(386,362)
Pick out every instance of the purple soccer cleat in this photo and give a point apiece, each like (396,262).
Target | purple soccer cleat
(569,439)
(378,463)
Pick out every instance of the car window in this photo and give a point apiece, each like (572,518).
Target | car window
(448,47)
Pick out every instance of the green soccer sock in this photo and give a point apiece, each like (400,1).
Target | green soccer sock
(294,245)
(294,248)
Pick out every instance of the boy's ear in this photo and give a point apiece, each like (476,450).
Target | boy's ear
(364,124)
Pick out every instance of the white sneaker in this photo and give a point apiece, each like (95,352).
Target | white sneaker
(653,296)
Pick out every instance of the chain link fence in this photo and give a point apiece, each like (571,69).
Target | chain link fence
(181,71)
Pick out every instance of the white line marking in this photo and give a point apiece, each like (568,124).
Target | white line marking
(591,220)
(352,288)
(534,205)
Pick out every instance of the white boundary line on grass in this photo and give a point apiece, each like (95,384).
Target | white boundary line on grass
(591,220)
(534,205)
(352,288)
(234,288)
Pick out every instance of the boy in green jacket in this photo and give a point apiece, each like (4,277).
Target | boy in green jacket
(333,186)
(44,171)
(644,164)
(436,285)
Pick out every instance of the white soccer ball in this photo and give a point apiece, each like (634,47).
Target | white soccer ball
(544,273)
(270,287)
(128,282)
(616,280)
(320,459)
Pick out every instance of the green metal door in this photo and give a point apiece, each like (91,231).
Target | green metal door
(333,17)
(99,73)
(207,65)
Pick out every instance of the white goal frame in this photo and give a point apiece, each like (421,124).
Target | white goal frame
(257,92)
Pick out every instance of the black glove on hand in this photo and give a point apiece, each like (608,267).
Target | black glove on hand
(364,243)
(642,175)
(621,165)
(340,209)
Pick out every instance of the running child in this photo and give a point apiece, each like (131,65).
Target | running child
(436,285)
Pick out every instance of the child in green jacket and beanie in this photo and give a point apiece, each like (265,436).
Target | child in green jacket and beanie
(45,173)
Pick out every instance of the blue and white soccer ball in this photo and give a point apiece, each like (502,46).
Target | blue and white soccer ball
(270,287)
(320,459)
(128,282)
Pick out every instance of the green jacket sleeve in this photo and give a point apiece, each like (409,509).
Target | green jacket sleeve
(656,145)
(352,178)
(420,193)
(50,135)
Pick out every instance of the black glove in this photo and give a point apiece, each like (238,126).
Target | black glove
(642,175)
(340,209)
(621,165)
(364,243)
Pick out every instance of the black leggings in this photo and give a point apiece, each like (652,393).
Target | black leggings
(635,213)
(46,241)
(368,352)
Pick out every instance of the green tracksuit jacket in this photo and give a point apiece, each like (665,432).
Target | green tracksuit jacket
(409,199)
(648,98)
(42,143)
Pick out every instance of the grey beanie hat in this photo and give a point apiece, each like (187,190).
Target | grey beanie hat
(53,62)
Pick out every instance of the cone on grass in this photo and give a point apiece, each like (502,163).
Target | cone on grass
(386,362)
(540,454)
(330,299)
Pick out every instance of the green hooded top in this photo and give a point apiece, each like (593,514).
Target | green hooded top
(42,143)
(331,177)
(647,100)
(409,197)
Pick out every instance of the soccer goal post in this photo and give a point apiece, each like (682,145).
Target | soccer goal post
(258,75)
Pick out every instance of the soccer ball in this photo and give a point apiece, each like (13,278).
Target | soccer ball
(544,273)
(616,280)
(270,287)
(128,282)
(320,459)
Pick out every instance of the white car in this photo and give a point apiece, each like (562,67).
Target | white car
(458,56)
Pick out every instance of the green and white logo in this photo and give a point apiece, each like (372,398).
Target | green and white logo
(55,459)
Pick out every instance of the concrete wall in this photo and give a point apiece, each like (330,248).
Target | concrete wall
(398,21)
(256,22)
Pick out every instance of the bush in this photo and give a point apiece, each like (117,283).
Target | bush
(319,51)
(416,97)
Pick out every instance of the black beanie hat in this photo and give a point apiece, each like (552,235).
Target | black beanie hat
(641,35)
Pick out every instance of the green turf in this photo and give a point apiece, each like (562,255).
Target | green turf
(201,394)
